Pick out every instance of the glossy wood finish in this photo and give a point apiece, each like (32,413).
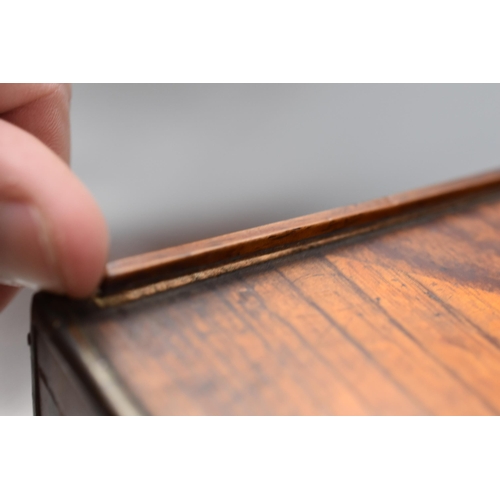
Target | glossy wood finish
(391,307)
(142,270)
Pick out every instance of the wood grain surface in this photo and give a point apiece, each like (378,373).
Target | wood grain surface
(400,319)
(140,270)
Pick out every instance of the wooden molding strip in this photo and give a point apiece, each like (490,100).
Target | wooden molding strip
(175,262)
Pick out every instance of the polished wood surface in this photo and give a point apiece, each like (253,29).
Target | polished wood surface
(134,272)
(391,308)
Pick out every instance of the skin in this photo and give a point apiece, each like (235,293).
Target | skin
(52,234)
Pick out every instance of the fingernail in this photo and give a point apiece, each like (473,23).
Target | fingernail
(26,252)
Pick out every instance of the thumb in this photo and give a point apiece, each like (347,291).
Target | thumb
(52,234)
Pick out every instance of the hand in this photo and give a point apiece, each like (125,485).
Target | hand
(52,233)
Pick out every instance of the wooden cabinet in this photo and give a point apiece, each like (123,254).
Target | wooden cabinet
(388,307)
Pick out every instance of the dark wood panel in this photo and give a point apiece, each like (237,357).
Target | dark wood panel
(391,308)
(61,390)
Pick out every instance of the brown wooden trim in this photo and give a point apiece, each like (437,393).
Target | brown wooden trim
(169,263)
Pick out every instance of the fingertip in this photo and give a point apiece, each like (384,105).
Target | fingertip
(6,295)
(82,244)
(54,235)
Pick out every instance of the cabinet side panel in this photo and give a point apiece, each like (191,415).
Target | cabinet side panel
(48,406)
(59,390)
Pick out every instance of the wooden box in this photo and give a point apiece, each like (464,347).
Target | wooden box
(388,307)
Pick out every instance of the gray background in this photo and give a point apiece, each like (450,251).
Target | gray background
(175,163)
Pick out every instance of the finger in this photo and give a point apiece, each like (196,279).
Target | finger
(52,234)
(6,294)
(40,109)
